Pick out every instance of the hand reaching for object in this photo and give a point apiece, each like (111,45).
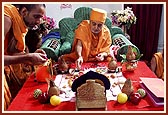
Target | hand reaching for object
(79,62)
(38,57)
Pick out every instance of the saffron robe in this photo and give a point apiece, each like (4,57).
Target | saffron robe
(7,94)
(91,45)
(14,75)
(159,65)
(19,28)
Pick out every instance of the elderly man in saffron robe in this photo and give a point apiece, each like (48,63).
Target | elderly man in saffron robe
(92,40)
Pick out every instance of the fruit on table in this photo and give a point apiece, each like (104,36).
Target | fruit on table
(142,92)
(43,98)
(122,98)
(135,98)
(55,100)
(36,93)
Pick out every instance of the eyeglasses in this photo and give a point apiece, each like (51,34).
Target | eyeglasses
(98,24)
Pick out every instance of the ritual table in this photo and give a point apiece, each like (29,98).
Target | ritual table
(24,101)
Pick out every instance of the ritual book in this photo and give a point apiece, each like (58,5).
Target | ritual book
(154,88)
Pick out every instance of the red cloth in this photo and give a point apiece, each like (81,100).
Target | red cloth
(25,101)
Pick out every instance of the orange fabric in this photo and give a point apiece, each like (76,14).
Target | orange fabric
(83,33)
(14,74)
(18,25)
(42,74)
(159,65)
(98,15)
(7,95)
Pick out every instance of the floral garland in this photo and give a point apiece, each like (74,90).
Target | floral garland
(48,23)
(123,17)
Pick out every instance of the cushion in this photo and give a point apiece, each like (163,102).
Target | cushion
(82,13)
(70,37)
(66,25)
(51,46)
(67,43)
(65,48)
(108,22)
(115,30)
(51,35)
(123,42)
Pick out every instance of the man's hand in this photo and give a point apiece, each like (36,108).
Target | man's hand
(101,56)
(38,57)
(79,62)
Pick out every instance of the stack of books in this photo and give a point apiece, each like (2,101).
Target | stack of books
(154,88)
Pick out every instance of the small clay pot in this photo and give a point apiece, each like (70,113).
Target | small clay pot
(53,89)
(112,65)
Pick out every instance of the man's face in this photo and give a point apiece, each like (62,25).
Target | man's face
(34,17)
(96,26)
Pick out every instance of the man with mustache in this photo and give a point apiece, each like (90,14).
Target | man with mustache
(17,19)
